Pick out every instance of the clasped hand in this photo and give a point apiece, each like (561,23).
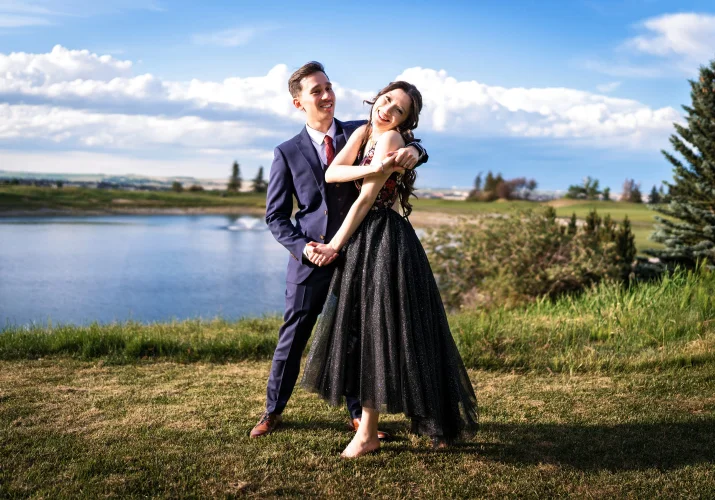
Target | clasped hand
(395,162)
(321,254)
(405,158)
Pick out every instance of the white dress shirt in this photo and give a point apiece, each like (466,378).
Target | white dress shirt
(318,137)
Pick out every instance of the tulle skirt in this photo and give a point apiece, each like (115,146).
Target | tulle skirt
(383,335)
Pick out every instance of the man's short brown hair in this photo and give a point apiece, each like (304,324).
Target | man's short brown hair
(294,85)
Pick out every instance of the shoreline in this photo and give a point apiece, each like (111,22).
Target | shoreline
(421,220)
(45,212)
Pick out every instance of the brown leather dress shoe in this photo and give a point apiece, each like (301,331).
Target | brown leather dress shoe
(267,424)
(381,435)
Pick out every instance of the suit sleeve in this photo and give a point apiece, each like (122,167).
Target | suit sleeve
(279,207)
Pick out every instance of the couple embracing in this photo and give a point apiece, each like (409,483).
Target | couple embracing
(382,341)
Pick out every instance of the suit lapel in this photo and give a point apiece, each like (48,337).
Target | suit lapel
(340,137)
(306,148)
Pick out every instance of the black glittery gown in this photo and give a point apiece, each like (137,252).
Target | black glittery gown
(383,334)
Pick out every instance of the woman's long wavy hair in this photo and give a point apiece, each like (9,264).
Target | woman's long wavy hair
(405,129)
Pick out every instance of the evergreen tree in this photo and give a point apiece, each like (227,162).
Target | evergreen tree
(606,194)
(489,182)
(636,196)
(176,186)
(664,198)
(234,182)
(259,185)
(490,187)
(592,223)
(609,228)
(572,227)
(550,213)
(625,248)
(689,232)
(654,197)
(475,194)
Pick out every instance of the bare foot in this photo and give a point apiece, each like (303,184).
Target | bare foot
(439,443)
(359,447)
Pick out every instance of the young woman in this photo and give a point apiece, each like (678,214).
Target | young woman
(383,335)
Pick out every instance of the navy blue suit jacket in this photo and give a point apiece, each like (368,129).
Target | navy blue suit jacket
(298,172)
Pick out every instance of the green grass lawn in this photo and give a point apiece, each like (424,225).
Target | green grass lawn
(637,212)
(70,198)
(71,428)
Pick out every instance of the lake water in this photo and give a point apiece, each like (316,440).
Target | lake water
(143,268)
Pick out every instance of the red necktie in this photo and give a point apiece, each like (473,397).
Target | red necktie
(329,150)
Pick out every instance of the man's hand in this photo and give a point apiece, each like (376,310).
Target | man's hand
(405,158)
(320,254)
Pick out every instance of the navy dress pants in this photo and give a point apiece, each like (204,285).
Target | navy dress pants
(304,303)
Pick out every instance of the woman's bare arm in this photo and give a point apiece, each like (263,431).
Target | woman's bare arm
(342,168)
(370,189)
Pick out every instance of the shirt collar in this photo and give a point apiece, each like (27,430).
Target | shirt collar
(318,137)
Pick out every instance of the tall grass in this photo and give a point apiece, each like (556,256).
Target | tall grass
(186,341)
(609,328)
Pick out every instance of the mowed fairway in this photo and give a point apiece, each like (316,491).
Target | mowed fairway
(640,215)
(72,428)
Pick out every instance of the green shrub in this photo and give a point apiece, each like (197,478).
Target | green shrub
(513,259)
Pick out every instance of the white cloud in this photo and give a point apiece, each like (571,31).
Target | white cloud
(672,45)
(689,36)
(472,108)
(608,87)
(230,37)
(77,100)
(122,132)
(26,71)
(269,92)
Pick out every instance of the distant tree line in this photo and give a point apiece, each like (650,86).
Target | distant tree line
(495,187)
(631,192)
(259,184)
(235,182)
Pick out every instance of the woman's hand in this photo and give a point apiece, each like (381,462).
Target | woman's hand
(388,165)
(322,254)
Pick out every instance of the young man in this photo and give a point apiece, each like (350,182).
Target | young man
(298,170)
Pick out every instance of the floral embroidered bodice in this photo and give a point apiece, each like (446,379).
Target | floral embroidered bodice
(388,194)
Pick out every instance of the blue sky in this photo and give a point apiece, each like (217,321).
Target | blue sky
(550,90)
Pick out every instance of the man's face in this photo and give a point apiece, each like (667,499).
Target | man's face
(316,98)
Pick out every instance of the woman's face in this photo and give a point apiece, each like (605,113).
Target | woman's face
(391,109)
